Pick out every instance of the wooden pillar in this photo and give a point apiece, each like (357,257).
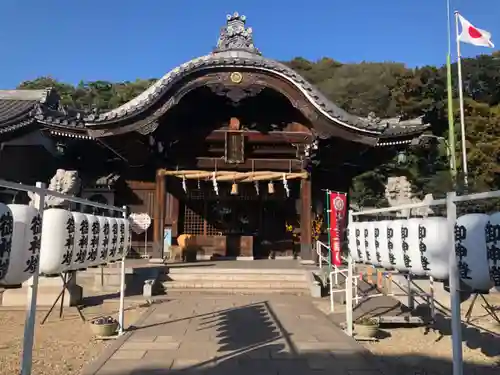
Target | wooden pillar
(159,214)
(306,250)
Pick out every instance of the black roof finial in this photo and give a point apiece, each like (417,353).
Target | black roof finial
(234,36)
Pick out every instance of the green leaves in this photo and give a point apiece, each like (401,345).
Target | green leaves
(102,95)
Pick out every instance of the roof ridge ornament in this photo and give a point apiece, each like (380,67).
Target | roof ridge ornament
(235,36)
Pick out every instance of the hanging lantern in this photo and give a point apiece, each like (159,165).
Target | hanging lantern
(234,189)
(270,187)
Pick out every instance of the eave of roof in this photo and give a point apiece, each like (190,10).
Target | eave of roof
(22,108)
(235,50)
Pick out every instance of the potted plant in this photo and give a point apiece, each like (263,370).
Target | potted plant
(104,326)
(366,327)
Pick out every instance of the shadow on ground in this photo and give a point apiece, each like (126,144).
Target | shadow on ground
(314,363)
(252,339)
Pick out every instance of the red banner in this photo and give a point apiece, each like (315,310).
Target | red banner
(338,202)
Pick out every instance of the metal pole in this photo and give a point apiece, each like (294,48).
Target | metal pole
(328,209)
(432,301)
(348,295)
(456,320)
(411,304)
(451,152)
(462,111)
(29,325)
(121,315)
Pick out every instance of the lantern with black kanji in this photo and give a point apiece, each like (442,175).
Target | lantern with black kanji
(470,249)
(397,245)
(58,242)
(93,241)
(492,232)
(80,261)
(23,226)
(434,247)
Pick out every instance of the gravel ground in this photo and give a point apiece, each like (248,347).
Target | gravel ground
(61,347)
(429,351)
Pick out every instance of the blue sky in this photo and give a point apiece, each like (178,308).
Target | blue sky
(118,40)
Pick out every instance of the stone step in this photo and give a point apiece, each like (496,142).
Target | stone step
(244,277)
(224,291)
(210,284)
(225,271)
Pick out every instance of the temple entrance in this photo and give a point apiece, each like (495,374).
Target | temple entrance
(242,223)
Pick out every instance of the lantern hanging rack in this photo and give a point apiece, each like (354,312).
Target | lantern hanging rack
(235,177)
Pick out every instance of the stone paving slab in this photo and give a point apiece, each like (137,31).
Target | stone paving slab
(235,335)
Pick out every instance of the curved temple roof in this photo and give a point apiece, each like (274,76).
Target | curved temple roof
(235,51)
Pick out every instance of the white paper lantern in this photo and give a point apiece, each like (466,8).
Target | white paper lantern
(103,251)
(113,239)
(81,241)
(395,245)
(6,232)
(122,239)
(360,242)
(415,231)
(58,239)
(493,248)
(93,246)
(351,242)
(381,244)
(405,242)
(128,236)
(371,252)
(435,247)
(470,251)
(361,236)
(25,251)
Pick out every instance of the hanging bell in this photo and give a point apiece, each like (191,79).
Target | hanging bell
(234,189)
(270,187)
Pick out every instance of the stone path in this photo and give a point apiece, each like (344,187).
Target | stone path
(235,335)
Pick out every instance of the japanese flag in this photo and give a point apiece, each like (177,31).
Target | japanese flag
(473,35)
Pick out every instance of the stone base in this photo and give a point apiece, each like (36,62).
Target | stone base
(211,257)
(46,296)
(245,258)
(157,260)
(307,262)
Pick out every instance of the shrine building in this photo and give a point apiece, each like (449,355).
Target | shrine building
(227,149)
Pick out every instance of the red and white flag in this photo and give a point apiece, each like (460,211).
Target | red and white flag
(473,35)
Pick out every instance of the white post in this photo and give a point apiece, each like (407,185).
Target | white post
(319,252)
(456,320)
(461,101)
(356,296)
(332,303)
(29,325)
(411,301)
(348,295)
(432,302)
(121,315)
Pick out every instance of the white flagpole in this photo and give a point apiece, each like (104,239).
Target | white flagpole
(461,100)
